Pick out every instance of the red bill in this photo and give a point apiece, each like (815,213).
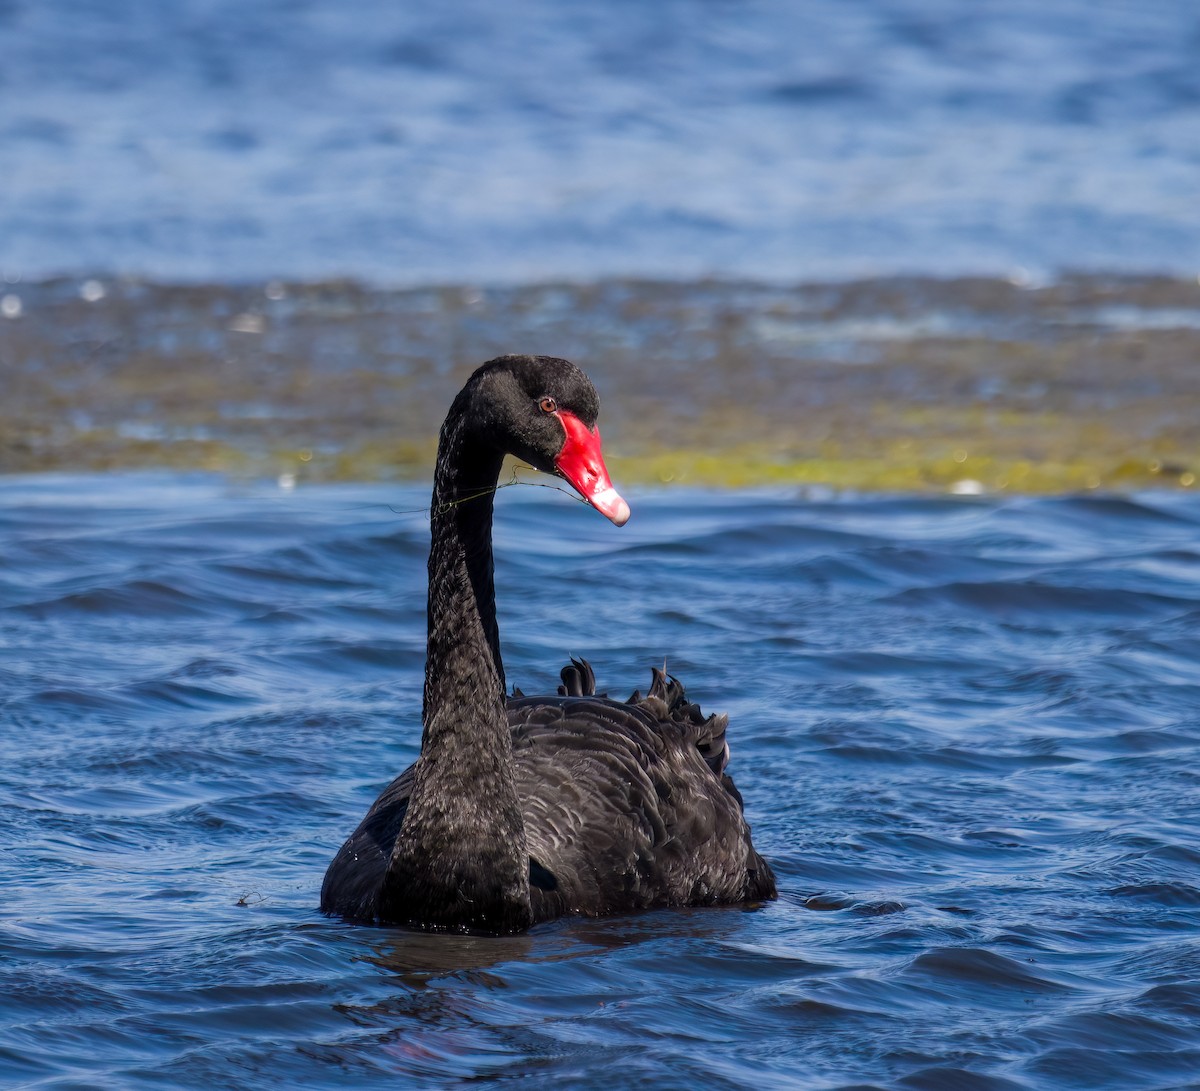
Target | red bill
(581,462)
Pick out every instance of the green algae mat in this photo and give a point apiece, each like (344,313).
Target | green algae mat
(967,385)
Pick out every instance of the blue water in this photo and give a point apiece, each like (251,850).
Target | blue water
(967,731)
(473,141)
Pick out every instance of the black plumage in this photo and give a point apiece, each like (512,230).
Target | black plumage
(523,809)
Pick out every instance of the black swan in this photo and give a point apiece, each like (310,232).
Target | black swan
(522,809)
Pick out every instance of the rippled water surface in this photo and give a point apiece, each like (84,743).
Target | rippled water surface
(966,731)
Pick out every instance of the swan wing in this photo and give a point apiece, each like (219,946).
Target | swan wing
(624,809)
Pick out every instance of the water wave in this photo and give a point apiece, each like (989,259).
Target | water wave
(966,731)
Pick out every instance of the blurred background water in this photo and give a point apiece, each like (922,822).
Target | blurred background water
(473,141)
(271,239)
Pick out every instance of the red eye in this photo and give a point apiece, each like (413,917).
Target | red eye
(548,404)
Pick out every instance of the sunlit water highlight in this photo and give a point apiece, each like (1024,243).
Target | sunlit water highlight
(966,731)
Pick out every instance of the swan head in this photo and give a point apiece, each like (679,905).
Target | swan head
(543,410)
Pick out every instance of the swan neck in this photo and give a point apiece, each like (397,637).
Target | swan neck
(463,667)
(461,859)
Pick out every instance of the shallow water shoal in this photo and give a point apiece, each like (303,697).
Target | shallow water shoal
(897,384)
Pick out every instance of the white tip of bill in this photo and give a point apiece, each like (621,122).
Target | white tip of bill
(608,502)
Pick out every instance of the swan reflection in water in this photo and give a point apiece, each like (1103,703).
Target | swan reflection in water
(458,1004)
